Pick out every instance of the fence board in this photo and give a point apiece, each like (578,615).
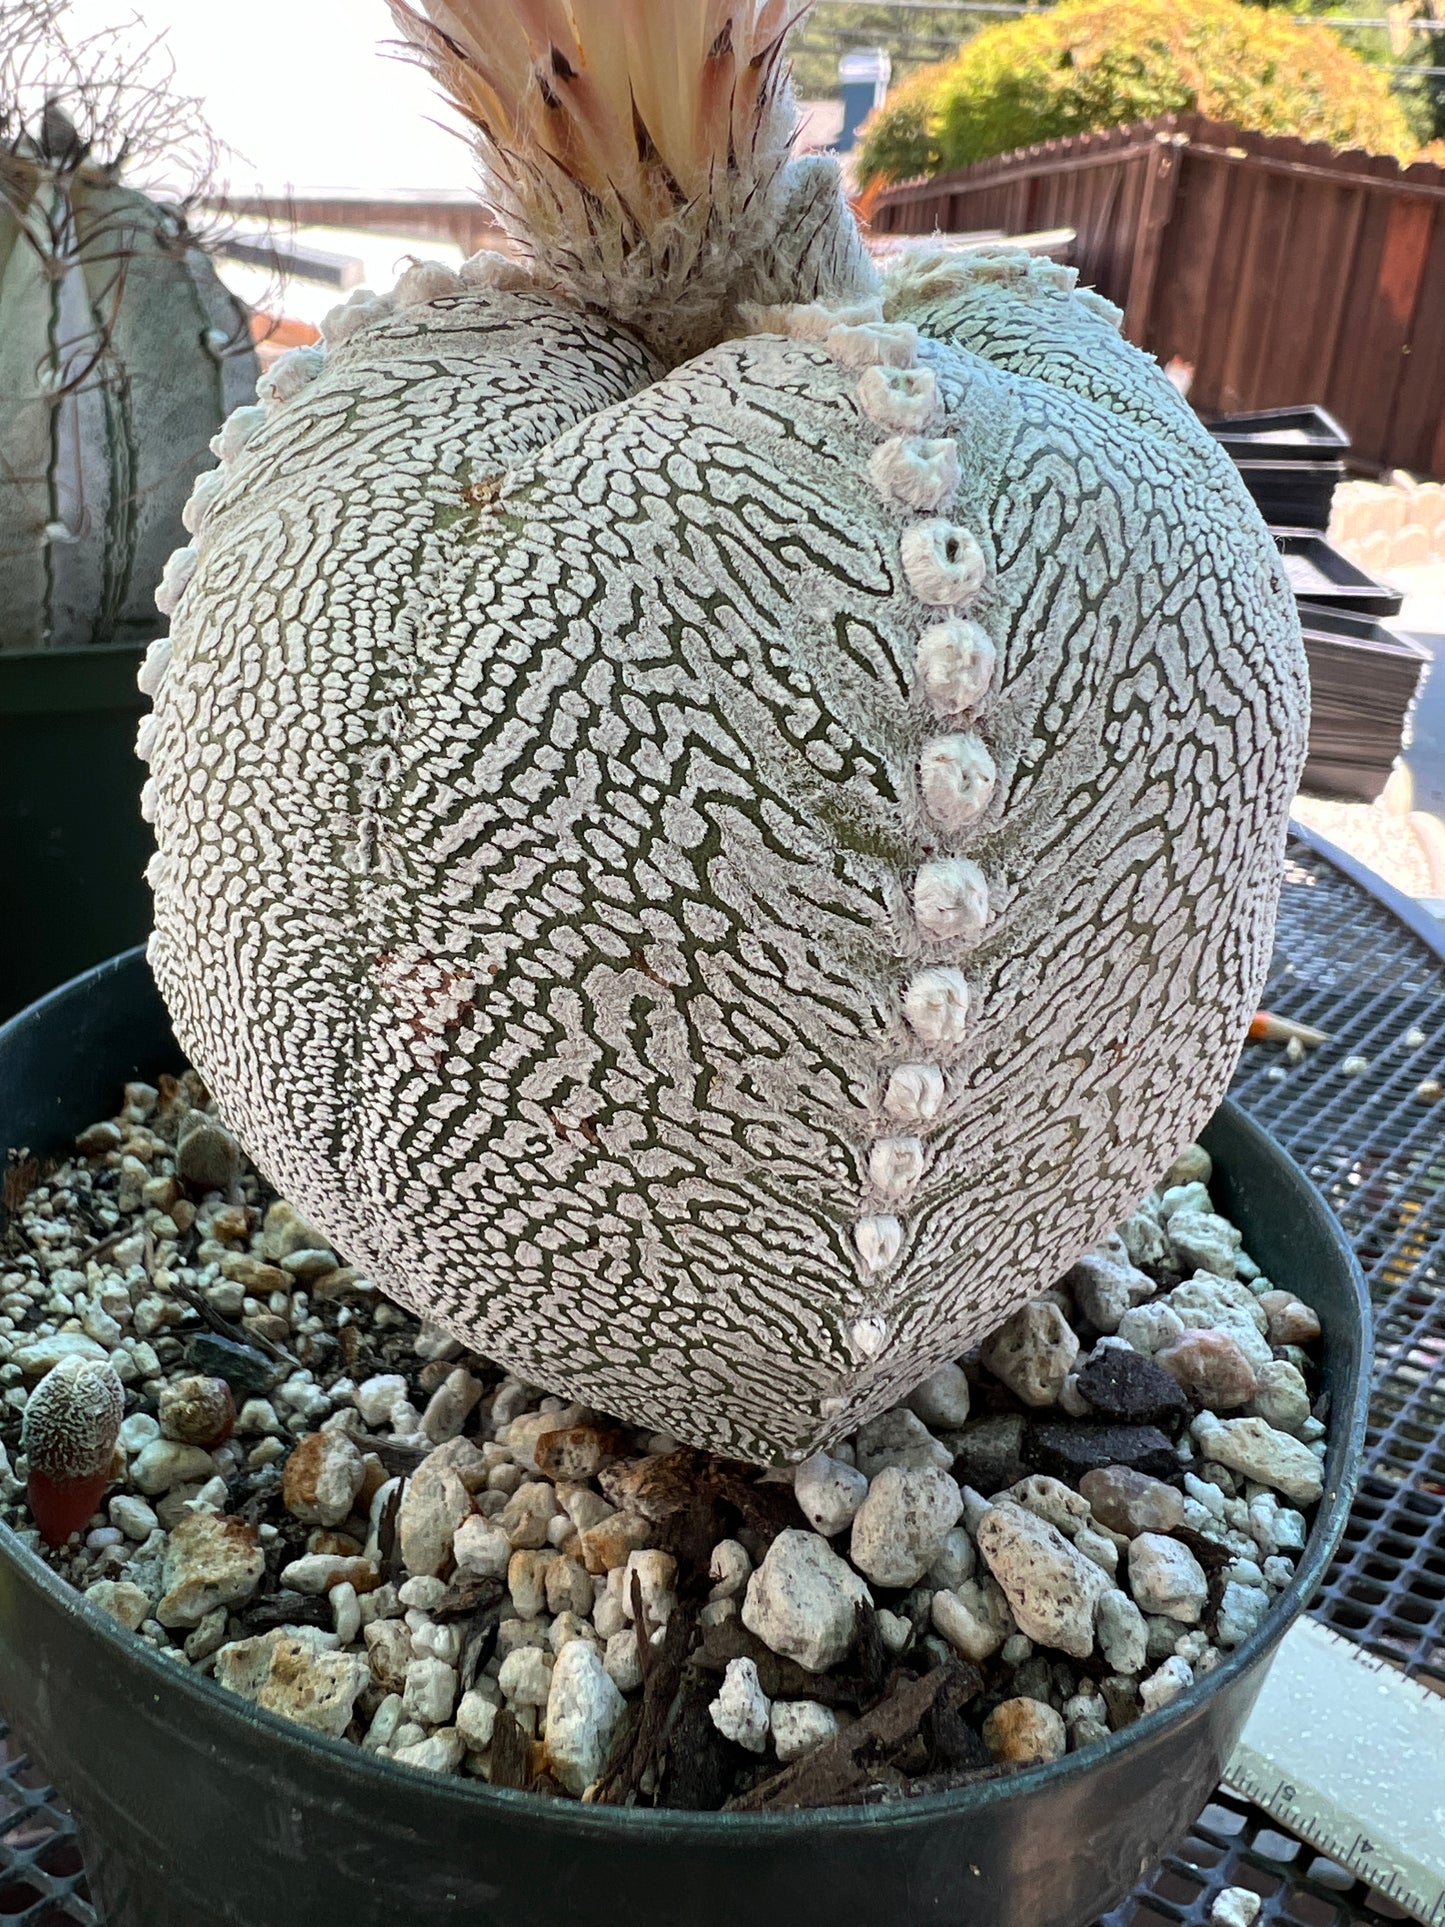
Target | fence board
(1280,270)
(1417,427)
(1192,244)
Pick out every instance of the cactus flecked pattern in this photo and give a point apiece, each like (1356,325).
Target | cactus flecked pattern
(714,868)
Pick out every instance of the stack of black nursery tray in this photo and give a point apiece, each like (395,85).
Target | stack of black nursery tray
(1290,458)
(1363,679)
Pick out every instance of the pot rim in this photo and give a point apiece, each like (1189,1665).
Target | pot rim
(479,1797)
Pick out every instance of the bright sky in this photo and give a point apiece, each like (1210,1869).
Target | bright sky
(302,92)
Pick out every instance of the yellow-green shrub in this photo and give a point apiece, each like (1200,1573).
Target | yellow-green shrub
(1104,63)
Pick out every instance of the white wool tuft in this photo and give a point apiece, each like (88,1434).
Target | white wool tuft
(950,899)
(956,775)
(919,474)
(956,663)
(943,563)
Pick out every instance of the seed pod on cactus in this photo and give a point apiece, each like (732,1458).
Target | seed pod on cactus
(72,1421)
(715,846)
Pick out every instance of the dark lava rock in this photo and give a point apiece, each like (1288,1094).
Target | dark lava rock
(990,1453)
(952,1743)
(1128,1389)
(249,1373)
(1068,1448)
(1121,1696)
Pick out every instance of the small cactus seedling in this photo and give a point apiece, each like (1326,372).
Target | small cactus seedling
(719,819)
(72,1422)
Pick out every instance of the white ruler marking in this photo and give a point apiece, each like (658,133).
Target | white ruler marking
(1349,1755)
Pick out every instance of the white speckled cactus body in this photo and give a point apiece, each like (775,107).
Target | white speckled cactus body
(716,869)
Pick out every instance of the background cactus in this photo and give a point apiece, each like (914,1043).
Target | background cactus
(120,354)
(714,867)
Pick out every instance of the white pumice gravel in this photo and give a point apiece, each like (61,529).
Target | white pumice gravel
(900,1528)
(350,1520)
(1235,1907)
(829,1493)
(742,1711)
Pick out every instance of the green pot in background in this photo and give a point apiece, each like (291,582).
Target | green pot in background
(73,848)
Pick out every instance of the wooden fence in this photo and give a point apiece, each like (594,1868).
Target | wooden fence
(1280,271)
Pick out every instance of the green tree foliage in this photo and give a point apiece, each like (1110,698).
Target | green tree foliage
(1105,63)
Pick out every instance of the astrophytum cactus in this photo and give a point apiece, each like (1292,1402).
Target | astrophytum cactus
(714,845)
(71,1426)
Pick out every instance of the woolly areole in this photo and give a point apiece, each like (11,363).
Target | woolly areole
(716,868)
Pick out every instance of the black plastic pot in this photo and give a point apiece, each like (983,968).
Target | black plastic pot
(202,1812)
(72,844)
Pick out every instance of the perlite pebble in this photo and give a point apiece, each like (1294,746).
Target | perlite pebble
(954,1562)
(742,1711)
(163,1464)
(800,1725)
(1240,1610)
(295,1677)
(1203,1241)
(1261,1453)
(210,1561)
(1025,1732)
(133,1516)
(434,1503)
(803,1600)
(975,1620)
(1051,1588)
(653,1576)
(1281,1396)
(729,1569)
(1166,1684)
(1123,1635)
(1235,1907)
(1033,1352)
(525,1676)
(1107,1285)
(901,1525)
(898,1438)
(829,1492)
(480,1546)
(430,1692)
(942,1400)
(476,1716)
(583,1709)
(375,1397)
(121,1601)
(439,1752)
(623,1660)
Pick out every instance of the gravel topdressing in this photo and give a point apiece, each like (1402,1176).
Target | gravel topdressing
(347,1518)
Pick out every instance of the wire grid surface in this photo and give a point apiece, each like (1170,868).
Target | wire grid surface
(1375,1145)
